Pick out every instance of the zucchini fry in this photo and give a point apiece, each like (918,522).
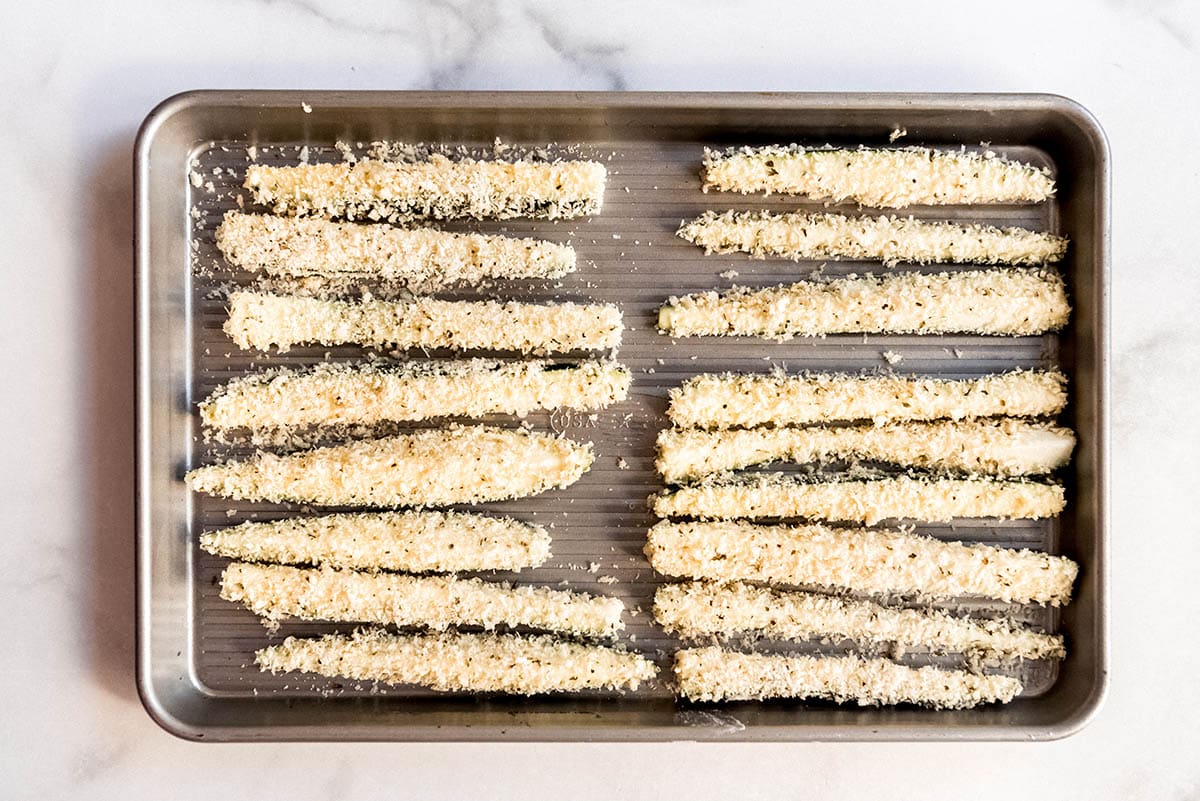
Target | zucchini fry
(996,302)
(700,610)
(277,592)
(454,662)
(422,257)
(262,320)
(726,401)
(863,560)
(331,395)
(799,236)
(717,674)
(1004,447)
(883,178)
(933,500)
(415,542)
(438,467)
(436,189)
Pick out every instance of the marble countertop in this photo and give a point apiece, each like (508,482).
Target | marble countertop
(79,79)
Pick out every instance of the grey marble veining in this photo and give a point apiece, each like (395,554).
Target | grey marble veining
(78,78)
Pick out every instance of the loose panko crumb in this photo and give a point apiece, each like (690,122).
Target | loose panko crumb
(435,189)
(416,542)
(438,467)
(700,610)
(872,561)
(330,395)
(1005,447)
(725,401)
(878,177)
(424,258)
(933,500)
(799,236)
(717,674)
(263,320)
(453,662)
(276,592)
(993,302)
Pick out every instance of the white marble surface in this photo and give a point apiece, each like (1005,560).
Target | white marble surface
(78,77)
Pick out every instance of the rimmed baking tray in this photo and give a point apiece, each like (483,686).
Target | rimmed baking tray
(195,671)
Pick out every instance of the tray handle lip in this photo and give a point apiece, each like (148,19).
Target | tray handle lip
(152,702)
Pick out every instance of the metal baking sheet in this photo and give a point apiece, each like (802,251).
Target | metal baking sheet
(195,651)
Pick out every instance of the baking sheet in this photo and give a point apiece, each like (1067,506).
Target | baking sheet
(628,255)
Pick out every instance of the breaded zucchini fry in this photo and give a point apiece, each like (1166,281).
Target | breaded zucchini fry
(415,542)
(864,560)
(437,467)
(422,257)
(799,236)
(1004,447)
(262,320)
(717,674)
(726,401)
(700,610)
(276,592)
(997,302)
(933,500)
(435,189)
(890,178)
(453,662)
(331,395)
